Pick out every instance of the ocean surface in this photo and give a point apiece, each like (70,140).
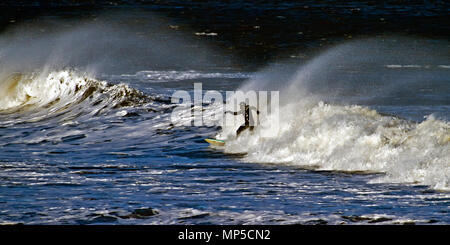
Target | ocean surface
(88,133)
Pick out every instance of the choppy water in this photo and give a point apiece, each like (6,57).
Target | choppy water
(363,138)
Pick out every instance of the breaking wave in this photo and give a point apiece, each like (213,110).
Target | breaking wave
(355,139)
(57,91)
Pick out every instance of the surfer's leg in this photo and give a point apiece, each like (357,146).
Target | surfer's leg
(241,129)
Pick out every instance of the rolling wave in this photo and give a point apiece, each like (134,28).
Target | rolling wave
(58,91)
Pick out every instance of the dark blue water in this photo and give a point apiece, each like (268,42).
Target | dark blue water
(75,150)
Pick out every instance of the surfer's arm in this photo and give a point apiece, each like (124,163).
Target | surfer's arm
(234,112)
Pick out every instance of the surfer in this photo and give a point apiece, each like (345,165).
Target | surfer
(245,109)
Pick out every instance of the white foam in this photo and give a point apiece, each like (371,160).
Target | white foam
(352,138)
(396,66)
(58,88)
(165,76)
(34,89)
(206,34)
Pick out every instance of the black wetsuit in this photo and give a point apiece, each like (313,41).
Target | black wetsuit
(247,118)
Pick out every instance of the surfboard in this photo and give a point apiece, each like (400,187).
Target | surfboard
(215,142)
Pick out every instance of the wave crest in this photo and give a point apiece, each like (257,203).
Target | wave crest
(60,89)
